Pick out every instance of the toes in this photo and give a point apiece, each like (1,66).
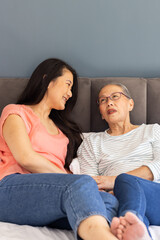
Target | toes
(131,218)
(114,225)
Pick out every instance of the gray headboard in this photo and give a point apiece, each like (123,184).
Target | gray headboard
(145,92)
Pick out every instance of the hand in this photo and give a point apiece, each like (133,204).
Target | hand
(105,182)
(111,192)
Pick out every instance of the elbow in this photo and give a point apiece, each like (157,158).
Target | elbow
(25,161)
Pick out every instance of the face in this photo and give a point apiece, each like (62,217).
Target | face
(115,111)
(59,91)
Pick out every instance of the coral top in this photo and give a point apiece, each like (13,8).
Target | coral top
(52,147)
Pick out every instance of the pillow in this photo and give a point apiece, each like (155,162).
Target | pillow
(74,166)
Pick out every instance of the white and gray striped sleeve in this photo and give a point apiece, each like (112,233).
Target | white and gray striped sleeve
(155,164)
(87,157)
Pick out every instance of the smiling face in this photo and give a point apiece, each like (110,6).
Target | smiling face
(116,111)
(59,91)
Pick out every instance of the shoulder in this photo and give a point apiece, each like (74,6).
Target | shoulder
(10,109)
(156,130)
(91,139)
(19,110)
(151,129)
(93,136)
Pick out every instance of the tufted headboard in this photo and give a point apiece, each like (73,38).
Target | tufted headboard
(144,91)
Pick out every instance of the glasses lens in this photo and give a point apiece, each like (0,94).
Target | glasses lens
(115,96)
(102,100)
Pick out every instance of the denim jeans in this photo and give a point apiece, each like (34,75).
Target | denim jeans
(139,196)
(42,199)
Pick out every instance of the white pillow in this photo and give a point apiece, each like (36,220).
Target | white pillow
(74,166)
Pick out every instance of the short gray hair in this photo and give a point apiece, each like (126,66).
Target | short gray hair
(124,88)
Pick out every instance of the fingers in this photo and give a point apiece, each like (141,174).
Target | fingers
(111,192)
(99,182)
(97,179)
(104,182)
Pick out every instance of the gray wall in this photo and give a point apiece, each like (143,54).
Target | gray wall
(97,37)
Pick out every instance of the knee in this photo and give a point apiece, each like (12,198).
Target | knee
(84,181)
(87,180)
(122,178)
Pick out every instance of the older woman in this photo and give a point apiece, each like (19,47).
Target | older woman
(124,148)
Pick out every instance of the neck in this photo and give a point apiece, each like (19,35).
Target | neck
(120,129)
(41,110)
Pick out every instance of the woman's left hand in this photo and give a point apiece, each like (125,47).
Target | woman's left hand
(105,182)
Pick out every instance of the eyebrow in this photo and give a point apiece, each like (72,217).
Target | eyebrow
(102,96)
(107,95)
(69,81)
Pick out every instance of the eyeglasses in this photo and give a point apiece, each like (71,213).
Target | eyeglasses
(114,97)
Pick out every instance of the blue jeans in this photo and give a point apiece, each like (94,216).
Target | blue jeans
(42,199)
(139,196)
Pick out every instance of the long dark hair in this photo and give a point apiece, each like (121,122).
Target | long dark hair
(35,90)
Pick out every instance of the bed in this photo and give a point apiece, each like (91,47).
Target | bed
(144,91)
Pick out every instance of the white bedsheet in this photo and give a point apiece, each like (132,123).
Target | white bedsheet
(9,231)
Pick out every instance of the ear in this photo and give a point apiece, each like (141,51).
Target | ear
(102,117)
(131,105)
(50,84)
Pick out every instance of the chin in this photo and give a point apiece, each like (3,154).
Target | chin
(59,108)
(112,121)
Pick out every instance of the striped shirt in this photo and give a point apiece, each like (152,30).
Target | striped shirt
(103,154)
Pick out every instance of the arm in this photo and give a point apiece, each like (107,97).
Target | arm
(150,169)
(154,165)
(107,182)
(16,137)
(87,158)
(142,172)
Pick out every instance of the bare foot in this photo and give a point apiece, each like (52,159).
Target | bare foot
(115,225)
(129,227)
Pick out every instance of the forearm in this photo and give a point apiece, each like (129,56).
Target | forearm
(107,182)
(35,163)
(142,172)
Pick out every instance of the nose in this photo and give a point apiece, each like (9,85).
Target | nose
(69,93)
(109,102)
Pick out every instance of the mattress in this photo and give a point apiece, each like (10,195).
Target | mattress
(9,231)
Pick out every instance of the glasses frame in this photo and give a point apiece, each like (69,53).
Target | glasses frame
(121,93)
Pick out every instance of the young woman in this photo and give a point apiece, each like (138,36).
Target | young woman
(37,144)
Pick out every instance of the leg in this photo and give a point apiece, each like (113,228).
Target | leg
(101,230)
(95,228)
(41,199)
(142,198)
(129,227)
(111,205)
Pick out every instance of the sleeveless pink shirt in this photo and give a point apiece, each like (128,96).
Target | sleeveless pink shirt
(52,147)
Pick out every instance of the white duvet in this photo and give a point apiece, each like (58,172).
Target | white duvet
(9,231)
